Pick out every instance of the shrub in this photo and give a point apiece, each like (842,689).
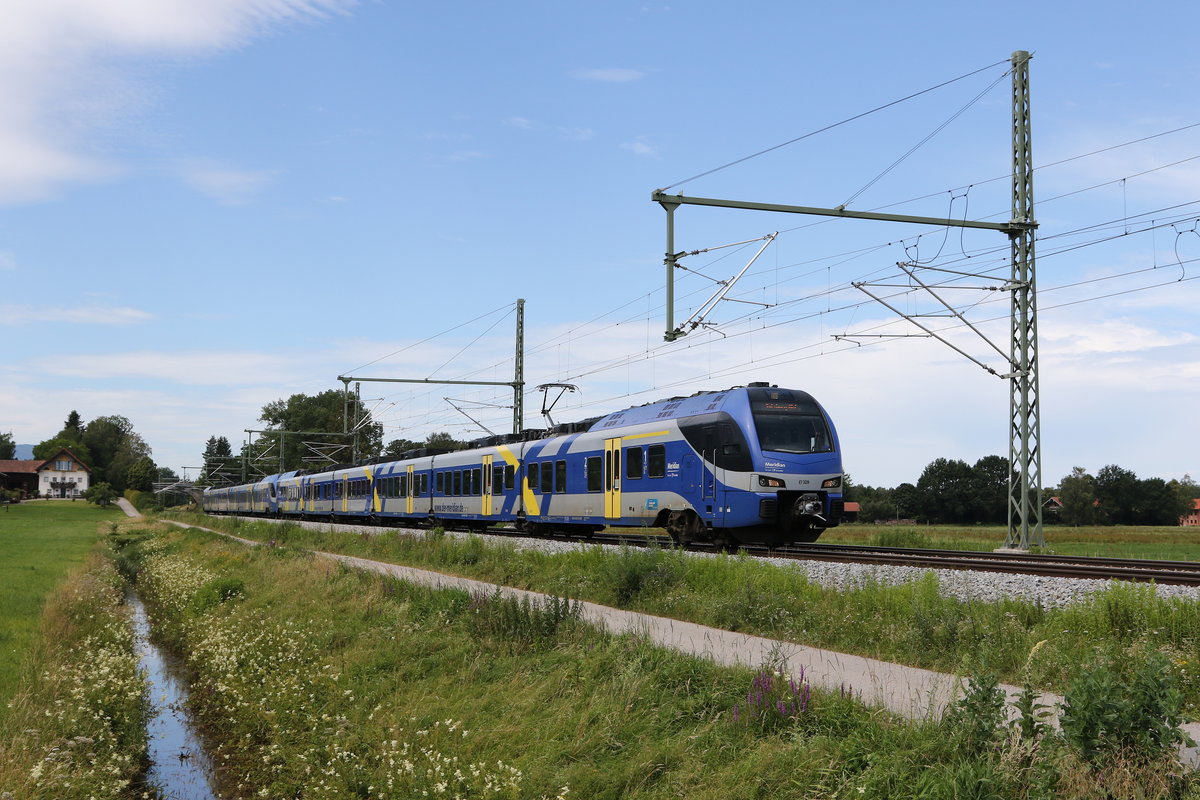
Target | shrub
(522,621)
(1135,711)
(976,718)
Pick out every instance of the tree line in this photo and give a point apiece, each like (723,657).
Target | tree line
(116,454)
(953,491)
(308,432)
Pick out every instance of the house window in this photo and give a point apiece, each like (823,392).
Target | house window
(63,464)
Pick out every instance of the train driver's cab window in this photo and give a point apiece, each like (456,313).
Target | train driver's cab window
(656,461)
(634,457)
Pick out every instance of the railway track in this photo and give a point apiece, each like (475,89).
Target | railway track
(1179,573)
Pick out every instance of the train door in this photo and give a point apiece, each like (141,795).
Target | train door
(612,478)
(712,476)
(409,490)
(487,487)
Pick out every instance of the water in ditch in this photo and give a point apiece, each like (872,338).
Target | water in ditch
(179,766)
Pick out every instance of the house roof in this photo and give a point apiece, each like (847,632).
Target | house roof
(45,464)
(26,466)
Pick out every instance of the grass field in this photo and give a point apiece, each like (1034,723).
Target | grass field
(318,681)
(1169,543)
(40,542)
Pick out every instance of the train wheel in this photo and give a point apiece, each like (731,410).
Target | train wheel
(684,526)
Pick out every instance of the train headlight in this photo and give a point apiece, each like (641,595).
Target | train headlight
(831,483)
(770,483)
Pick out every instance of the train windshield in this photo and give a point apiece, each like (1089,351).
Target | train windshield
(791,426)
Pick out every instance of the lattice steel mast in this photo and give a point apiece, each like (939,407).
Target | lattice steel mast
(1025,458)
(1024,449)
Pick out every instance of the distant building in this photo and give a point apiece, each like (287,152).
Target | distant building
(20,476)
(61,475)
(1192,518)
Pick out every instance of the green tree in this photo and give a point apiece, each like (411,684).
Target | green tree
(220,465)
(947,491)
(324,413)
(115,447)
(8,447)
(1077,493)
(141,474)
(166,475)
(444,441)
(992,475)
(906,499)
(50,447)
(72,428)
(1158,503)
(397,447)
(1117,492)
(102,494)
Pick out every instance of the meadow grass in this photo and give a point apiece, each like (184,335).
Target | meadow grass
(41,542)
(1174,543)
(910,624)
(76,725)
(316,681)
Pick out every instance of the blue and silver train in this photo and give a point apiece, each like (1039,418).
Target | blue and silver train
(751,464)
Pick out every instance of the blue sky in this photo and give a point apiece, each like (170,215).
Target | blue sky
(208,205)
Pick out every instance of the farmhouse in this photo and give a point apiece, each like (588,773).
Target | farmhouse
(61,475)
(1192,518)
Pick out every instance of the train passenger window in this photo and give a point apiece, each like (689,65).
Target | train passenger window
(439,483)
(477,482)
(532,471)
(424,483)
(547,477)
(656,461)
(510,473)
(403,487)
(594,467)
(633,463)
(458,482)
(497,480)
(560,476)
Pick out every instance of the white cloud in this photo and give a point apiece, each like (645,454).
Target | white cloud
(59,83)
(609,75)
(640,147)
(1106,336)
(80,315)
(222,183)
(198,368)
(466,155)
(577,134)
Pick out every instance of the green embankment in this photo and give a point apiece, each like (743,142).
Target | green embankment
(40,543)
(318,681)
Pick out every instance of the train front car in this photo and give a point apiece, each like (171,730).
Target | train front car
(763,466)
(795,485)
